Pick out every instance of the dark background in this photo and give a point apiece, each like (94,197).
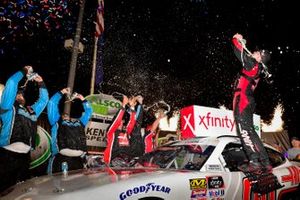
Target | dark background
(177,51)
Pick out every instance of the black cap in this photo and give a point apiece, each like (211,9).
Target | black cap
(295,138)
(21,91)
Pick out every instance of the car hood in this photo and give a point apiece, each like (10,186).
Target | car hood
(80,182)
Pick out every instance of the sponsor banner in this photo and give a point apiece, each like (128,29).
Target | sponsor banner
(95,132)
(104,109)
(104,105)
(205,121)
(42,150)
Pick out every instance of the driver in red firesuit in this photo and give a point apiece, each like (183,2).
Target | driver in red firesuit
(244,106)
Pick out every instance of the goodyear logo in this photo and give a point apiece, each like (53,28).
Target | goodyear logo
(198,183)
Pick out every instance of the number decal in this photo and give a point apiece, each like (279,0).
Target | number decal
(293,176)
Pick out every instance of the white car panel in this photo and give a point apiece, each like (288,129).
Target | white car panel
(214,180)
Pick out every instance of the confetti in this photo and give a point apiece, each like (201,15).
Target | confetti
(20,18)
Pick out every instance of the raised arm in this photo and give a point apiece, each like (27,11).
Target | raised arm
(42,101)
(156,122)
(86,115)
(139,108)
(117,120)
(246,60)
(52,107)
(131,123)
(10,91)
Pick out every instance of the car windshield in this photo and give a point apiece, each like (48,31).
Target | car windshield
(188,156)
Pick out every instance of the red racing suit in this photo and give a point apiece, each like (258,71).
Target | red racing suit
(244,104)
(118,139)
(149,140)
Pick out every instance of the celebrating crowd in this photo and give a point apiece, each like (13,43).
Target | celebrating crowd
(68,141)
(129,136)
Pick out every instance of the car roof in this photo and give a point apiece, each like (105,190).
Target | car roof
(214,141)
(205,140)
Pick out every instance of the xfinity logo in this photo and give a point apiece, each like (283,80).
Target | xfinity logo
(207,120)
(210,121)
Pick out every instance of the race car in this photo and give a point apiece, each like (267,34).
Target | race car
(193,169)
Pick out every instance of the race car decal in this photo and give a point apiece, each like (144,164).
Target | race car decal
(215,182)
(144,189)
(199,193)
(213,168)
(198,183)
(293,177)
(249,195)
(216,193)
(207,187)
